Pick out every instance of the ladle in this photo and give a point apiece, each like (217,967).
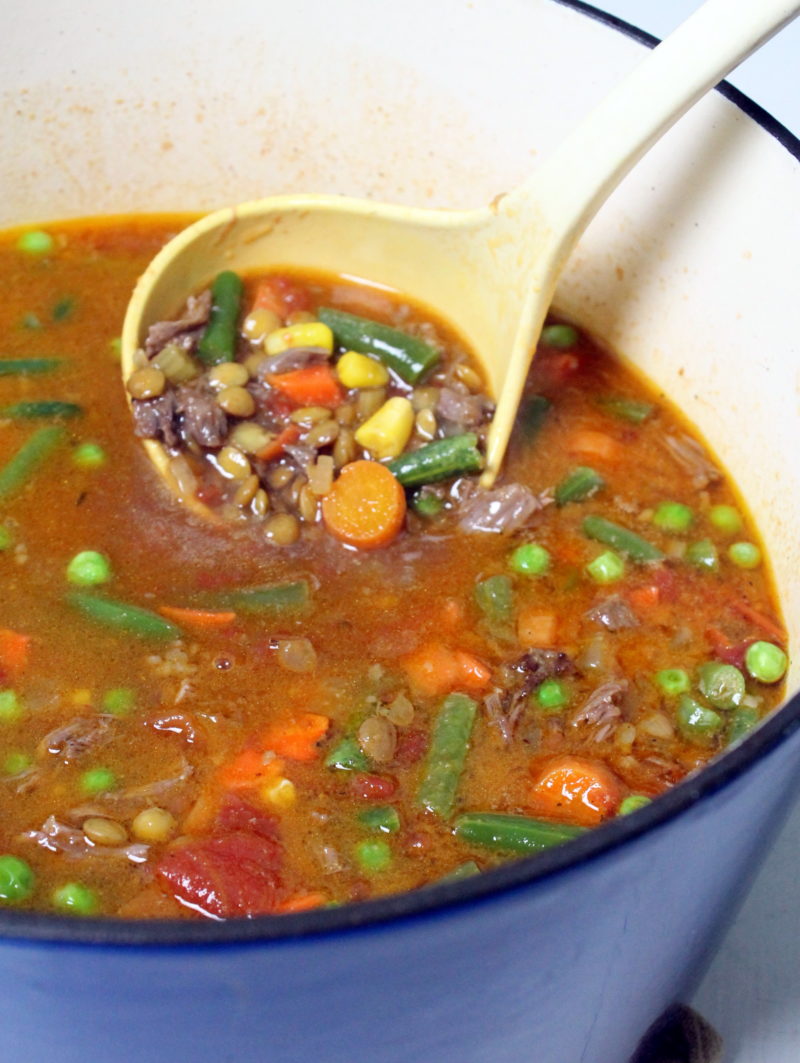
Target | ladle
(492,271)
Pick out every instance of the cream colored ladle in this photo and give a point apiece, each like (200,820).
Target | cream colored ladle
(491,272)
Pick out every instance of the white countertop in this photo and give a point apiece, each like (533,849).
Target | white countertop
(752,992)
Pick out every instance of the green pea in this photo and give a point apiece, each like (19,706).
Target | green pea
(766,662)
(89,456)
(725,519)
(427,505)
(695,721)
(530,559)
(98,781)
(76,898)
(115,346)
(374,854)
(744,554)
(6,538)
(673,517)
(703,554)
(722,684)
(10,707)
(562,337)
(632,803)
(16,763)
(89,568)
(35,242)
(17,879)
(552,695)
(673,681)
(119,701)
(606,568)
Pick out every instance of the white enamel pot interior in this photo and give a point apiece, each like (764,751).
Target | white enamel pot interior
(689,272)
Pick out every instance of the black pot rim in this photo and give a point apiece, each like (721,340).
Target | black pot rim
(493,885)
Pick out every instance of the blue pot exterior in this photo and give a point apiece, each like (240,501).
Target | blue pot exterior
(571,967)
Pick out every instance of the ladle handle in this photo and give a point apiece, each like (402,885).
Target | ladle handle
(580,175)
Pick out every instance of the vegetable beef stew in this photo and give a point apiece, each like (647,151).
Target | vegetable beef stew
(361,673)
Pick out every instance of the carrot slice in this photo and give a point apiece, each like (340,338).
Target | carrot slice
(366,506)
(755,616)
(297,738)
(435,669)
(199,618)
(576,789)
(595,444)
(13,652)
(315,385)
(644,598)
(536,628)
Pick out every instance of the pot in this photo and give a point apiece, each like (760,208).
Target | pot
(572,955)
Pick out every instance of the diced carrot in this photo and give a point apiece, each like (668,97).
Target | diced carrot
(281,295)
(301,902)
(435,669)
(576,789)
(14,649)
(276,446)
(536,628)
(315,385)
(297,738)
(198,618)
(644,598)
(590,443)
(766,623)
(366,506)
(249,769)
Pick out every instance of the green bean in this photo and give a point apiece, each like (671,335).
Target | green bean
(447,754)
(627,542)
(742,722)
(513,834)
(270,598)
(383,818)
(64,308)
(578,485)
(30,409)
(494,597)
(627,409)
(28,366)
(123,616)
(33,452)
(218,342)
(411,358)
(532,415)
(440,460)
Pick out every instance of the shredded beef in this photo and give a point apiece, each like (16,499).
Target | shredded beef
(462,409)
(157,419)
(504,706)
(613,613)
(186,330)
(602,708)
(203,419)
(693,458)
(500,510)
(73,739)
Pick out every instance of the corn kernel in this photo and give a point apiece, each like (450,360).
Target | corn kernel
(82,696)
(387,431)
(360,371)
(306,334)
(280,793)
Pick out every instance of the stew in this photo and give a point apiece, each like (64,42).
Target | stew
(371,674)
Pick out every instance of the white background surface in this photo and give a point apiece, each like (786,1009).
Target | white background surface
(752,992)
